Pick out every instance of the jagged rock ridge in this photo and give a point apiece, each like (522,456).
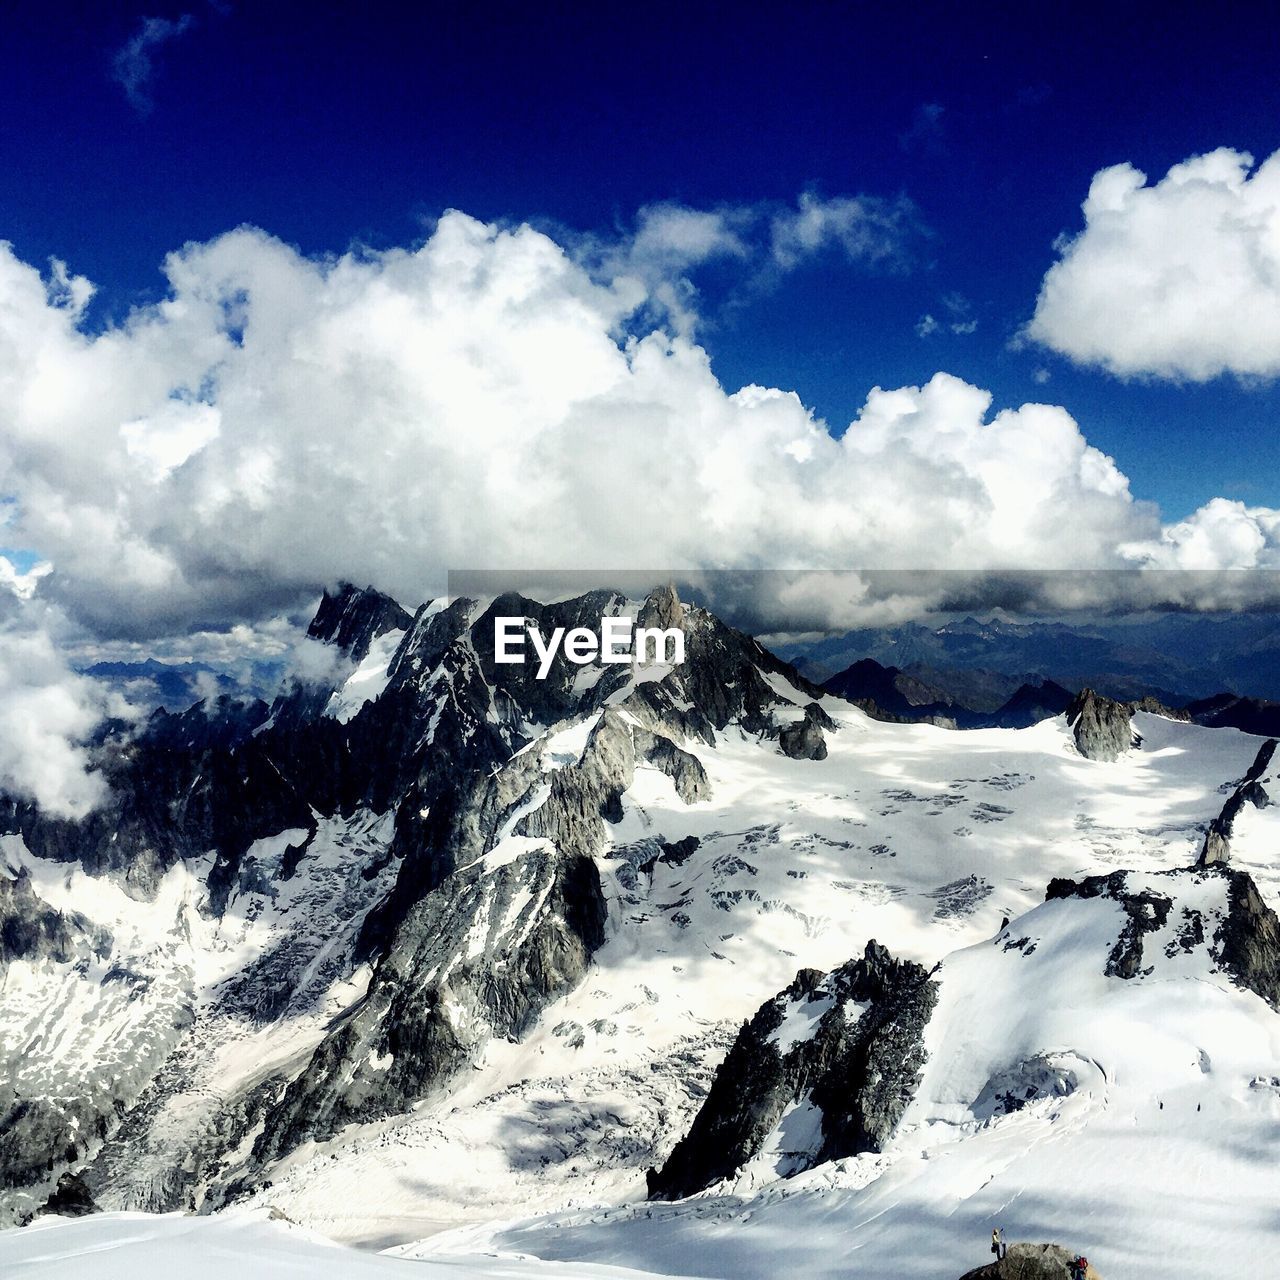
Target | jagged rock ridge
(1217,840)
(848,1044)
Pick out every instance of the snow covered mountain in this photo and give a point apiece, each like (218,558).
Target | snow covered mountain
(434,955)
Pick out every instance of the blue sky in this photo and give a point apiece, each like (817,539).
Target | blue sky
(363,125)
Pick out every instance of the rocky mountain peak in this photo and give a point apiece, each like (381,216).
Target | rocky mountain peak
(845,1048)
(1103,728)
(662,608)
(352,618)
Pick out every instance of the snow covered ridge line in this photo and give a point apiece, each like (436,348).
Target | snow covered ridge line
(618,641)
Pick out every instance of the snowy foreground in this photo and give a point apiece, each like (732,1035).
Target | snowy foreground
(246,1246)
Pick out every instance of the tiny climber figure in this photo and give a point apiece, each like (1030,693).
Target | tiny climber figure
(998,1246)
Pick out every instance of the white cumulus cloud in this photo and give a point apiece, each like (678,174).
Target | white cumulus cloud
(485,400)
(482,400)
(1221,535)
(46,713)
(1178,279)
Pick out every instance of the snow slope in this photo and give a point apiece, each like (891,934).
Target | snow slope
(1146,1119)
(925,839)
(921,838)
(182,1019)
(255,1246)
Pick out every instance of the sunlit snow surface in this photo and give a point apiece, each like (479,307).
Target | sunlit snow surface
(921,838)
(368,680)
(131,1246)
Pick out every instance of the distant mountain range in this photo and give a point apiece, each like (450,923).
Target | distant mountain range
(1176,658)
(931,696)
(1223,671)
(177,685)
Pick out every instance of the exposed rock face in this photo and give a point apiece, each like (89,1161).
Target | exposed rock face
(71,1198)
(684,769)
(1032,1262)
(725,675)
(804,739)
(1217,840)
(459,972)
(1248,940)
(352,619)
(858,1061)
(1153,706)
(349,621)
(1147,913)
(187,784)
(1103,727)
(36,1132)
(30,929)
(435,998)
(1243,938)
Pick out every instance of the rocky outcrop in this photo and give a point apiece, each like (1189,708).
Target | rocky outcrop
(352,618)
(1217,839)
(804,740)
(30,929)
(1242,936)
(485,949)
(670,855)
(1103,728)
(1248,939)
(725,675)
(583,794)
(850,1043)
(1032,1262)
(1154,707)
(71,1198)
(556,694)
(482,955)
(683,768)
(1146,912)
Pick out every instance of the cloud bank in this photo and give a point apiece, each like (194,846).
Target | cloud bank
(486,399)
(1180,279)
(46,714)
(278,423)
